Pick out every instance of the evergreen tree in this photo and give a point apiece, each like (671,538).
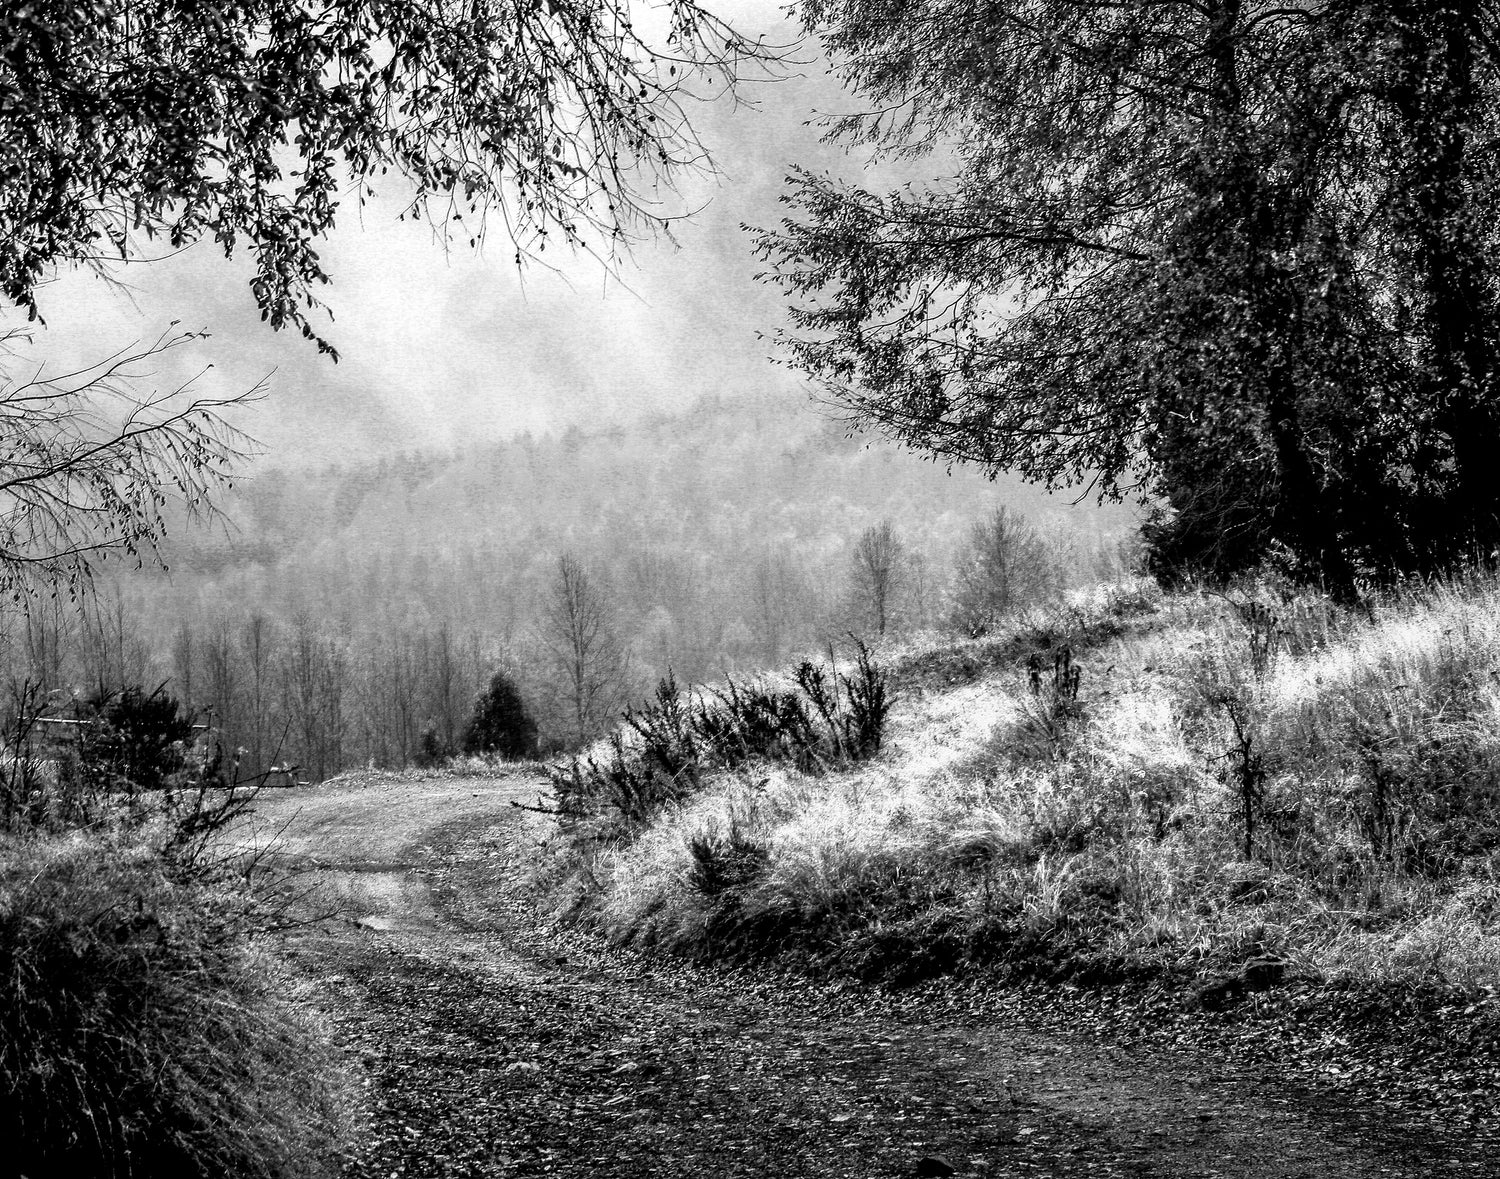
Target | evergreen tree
(501,724)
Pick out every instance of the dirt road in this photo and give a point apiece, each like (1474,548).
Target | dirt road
(497,1047)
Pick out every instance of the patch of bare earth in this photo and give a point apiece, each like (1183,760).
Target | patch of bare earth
(494,1046)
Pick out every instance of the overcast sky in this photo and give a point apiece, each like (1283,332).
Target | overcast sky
(439,349)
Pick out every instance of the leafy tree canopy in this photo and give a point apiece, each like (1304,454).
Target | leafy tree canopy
(126,125)
(1240,256)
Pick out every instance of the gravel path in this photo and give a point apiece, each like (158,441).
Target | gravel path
(493,1047)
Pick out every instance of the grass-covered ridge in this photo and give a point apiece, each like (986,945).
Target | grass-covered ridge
(1142,784)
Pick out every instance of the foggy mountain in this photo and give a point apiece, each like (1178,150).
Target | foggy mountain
(718,541)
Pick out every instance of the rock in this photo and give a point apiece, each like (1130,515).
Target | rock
(932,1167)
(1217,992)
(1261,974)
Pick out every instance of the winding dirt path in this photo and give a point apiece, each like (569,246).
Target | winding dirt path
(494,1047)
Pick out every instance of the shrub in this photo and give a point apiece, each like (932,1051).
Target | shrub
(132,741)
(501,724)
(723,862)
(128,747)
(857,725)
(667,746)
(1228,779)
(139,1035)
(432,750)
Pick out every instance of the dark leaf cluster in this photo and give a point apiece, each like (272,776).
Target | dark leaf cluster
(501,723)
(1238,259)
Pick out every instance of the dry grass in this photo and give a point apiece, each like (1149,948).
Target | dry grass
(140,1031)
(1108,835)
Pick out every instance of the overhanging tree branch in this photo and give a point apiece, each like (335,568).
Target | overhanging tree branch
(129,122)
(90,467)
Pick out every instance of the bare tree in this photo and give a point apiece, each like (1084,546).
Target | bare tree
(112,653)
(89,465)
(221,667)
(184,658)
(46,633)
(920,592)
(449,693)
(879,574)
(314,678)
(585,652)
(774,587)
(1005,567)
(258,642)
(403,682)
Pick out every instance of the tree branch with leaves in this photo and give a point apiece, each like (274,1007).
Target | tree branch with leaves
(132,125)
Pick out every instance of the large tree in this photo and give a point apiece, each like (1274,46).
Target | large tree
(1201,250)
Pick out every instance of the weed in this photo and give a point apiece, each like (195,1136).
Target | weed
(721,863)
(1049,719)
(1246,767)
(668,745)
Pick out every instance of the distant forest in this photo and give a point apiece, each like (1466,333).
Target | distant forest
(350,616)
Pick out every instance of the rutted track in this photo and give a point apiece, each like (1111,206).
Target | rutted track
(494,1046)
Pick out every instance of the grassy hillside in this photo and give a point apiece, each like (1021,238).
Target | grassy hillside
(1224,792)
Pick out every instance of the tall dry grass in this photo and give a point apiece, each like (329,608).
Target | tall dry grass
(142,1033)
(1243,774)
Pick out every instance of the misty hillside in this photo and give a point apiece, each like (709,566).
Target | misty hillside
(723,473)
(681,517)
(340,614)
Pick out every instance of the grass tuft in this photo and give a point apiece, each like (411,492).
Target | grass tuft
(140,1033)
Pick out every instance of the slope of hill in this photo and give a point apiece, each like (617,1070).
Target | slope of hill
(1252,799)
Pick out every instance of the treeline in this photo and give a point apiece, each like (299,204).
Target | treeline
(353,616)
(272,692)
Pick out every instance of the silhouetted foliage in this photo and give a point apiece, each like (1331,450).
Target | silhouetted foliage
(127,123)
(725,862)
(1240,259)
(431,749)
(665,747)
(501,724)
(132,740)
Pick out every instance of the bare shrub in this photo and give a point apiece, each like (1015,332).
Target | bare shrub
(665,748)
